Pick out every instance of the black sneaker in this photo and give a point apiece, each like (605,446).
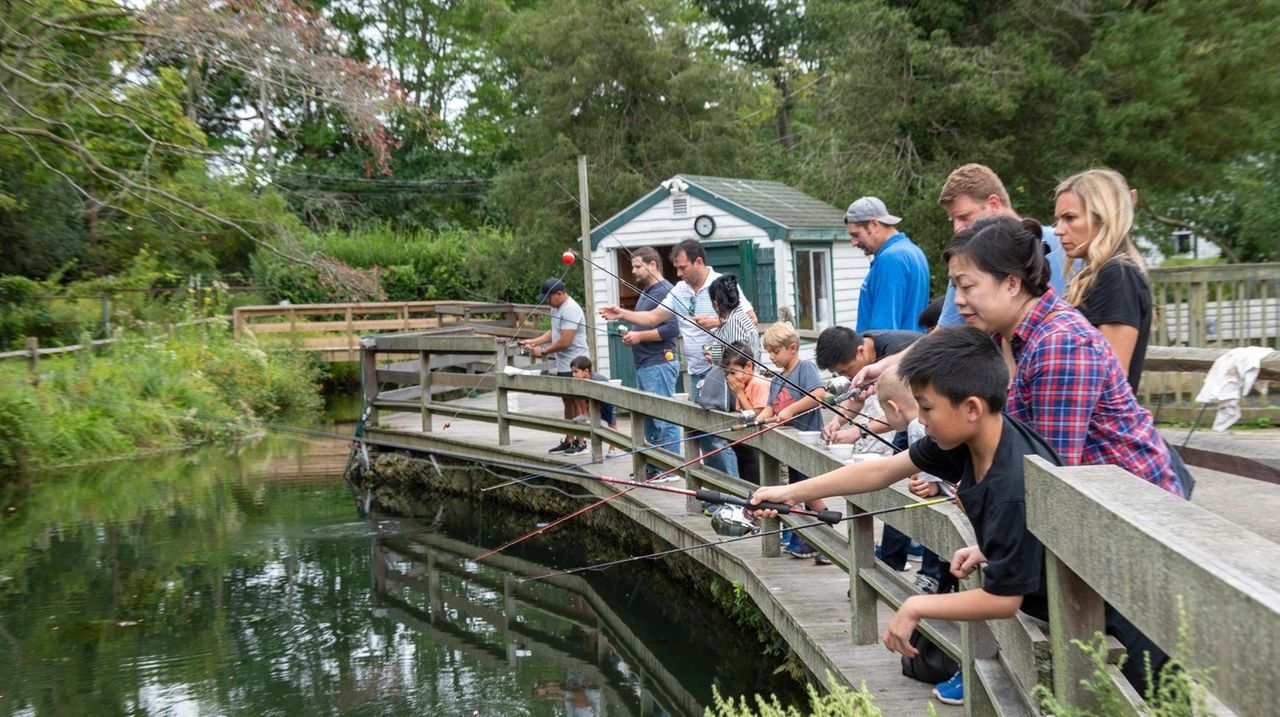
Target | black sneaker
(562,447)
(575,448)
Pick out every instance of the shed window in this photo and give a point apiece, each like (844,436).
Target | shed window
(813,289)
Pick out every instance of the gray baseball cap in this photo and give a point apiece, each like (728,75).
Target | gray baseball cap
(868,208)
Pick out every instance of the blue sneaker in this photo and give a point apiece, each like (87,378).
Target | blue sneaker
(951,692)
(799,548)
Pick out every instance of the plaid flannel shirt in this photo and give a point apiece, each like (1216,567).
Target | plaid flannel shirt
(1070,387)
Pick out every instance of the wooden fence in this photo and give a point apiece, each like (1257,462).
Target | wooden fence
(333,331)
(1108,536)
(1213,307)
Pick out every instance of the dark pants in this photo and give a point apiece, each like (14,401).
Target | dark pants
(933,566)
(748,463)
(893,544)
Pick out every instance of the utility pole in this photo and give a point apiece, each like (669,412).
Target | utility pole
(589,290)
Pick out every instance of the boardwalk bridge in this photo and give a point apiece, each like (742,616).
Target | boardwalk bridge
(1200,577)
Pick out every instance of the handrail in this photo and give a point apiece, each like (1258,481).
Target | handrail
(1107,536)
(999,685)
(1181,574)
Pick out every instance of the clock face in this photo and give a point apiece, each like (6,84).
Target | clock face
(704,225)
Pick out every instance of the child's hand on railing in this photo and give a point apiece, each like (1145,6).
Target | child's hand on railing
(922,488)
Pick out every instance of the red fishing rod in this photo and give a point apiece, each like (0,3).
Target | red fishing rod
(602,501)
(753,534)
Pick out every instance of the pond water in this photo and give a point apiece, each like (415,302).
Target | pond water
(242,580)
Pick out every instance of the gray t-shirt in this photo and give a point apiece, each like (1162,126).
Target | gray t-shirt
(569,317)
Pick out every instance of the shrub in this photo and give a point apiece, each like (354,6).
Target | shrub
(839,702)
(150,395)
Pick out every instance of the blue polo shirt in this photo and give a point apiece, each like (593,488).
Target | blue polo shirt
(1057,257)
(896,289)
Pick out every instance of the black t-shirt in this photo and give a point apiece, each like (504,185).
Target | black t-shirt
(997,508)
(1121,295)
(890,341)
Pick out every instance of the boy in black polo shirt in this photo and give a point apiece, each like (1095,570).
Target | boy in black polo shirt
(972,443)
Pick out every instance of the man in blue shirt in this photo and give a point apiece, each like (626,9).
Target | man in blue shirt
(896,289)
(972,192)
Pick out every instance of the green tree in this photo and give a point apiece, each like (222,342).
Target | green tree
(624,83)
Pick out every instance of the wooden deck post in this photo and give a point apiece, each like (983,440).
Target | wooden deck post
(597,446)
(1075,611)
(502,360)
(369,378)
(769,475)
(862,597)
(424,384)
(351,332)
(978,643)
(689,451)
(33,360)
(638,441)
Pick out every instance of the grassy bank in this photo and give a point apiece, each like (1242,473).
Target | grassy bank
(148,395)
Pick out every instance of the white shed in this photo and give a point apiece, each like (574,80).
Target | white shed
(787,249)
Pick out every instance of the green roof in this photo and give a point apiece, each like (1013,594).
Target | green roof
(782,212)
(785,205)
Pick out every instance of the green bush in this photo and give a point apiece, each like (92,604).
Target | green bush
(839,702)
(138,396)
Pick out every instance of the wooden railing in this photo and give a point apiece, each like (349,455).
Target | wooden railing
(333,331)
(1108,536)
(1216,306)
(1208,307)
(1173,376)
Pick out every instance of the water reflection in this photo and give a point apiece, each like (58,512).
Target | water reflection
(579,651)
(231,582)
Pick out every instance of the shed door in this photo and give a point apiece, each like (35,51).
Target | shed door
(754,268)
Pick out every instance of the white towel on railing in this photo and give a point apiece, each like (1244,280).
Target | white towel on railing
(1230,378)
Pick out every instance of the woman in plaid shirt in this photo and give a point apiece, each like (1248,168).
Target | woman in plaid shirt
(1068,384)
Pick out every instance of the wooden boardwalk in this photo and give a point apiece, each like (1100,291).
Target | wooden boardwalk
(806,602)
(798,596)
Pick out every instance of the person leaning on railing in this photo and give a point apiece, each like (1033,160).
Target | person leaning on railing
(973,444)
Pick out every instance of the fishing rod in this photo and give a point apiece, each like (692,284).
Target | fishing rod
(602,501)
(830,517)
(839,410)
(642,449)
(753,534)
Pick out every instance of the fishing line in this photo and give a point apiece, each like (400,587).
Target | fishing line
(602,501)
(838,410)
(714,543)
(735,426)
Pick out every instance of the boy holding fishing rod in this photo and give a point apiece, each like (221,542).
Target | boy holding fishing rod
(960,383)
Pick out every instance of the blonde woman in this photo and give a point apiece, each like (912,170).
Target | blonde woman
(1094,211)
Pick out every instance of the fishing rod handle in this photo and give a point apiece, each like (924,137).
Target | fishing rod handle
(830,517)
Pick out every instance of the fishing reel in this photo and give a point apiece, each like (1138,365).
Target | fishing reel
(733,521)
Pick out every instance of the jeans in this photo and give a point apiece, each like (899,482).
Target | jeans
(725,460)
(660,380)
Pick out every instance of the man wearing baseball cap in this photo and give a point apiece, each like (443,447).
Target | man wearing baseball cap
(896,289)
(567,339)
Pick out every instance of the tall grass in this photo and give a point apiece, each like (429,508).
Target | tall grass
(143,396)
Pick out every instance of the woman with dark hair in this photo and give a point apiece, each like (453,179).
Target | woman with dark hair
(1068,384)
(735,322)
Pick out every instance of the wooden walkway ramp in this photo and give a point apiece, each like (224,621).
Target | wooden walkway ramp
(1108,537)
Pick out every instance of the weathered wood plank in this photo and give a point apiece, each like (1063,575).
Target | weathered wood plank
(1155,557)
